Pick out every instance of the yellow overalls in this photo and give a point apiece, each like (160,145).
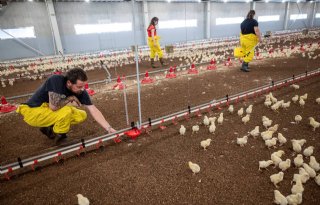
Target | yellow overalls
(155,49)
(248,42)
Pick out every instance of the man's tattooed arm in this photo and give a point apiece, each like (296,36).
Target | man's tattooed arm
(56,101)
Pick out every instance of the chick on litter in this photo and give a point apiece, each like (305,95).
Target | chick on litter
(304,97)
(212,119)
(279,198)
(195,128)
(246,118)
(274,128)
(264,164)
(240,112)
(308,151)
(317,179)
(195,168)
(182,130)
(298,160)
(294,199)
(284,165)
(249,109)
(267,122)
(220,118)
(267,103)
(295,86)
(82,200)
(272,98)
(302,102)
(205,143)
(276,178)
(314,164)
(296,146)
(304,176)
(206,121)
(318,100)
(271,143)
(297,118)
(297,188)
(309,170)
(278,153)
(255,132)
(267,135)
(314,123)
(230,109)
(276,106)
(286,105)
(242,141)
(282,139)
(301,142)
(295,98)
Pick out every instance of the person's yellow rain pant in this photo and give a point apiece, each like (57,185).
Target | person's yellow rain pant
(43,116)
(248,42)
(155,49)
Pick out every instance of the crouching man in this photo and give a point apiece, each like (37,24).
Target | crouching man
(54,106)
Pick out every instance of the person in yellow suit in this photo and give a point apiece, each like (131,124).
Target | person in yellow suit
(153,43)
(54,107)
(249,37)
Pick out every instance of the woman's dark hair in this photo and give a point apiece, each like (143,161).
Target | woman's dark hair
(153,21)
(251,14)
(76,74)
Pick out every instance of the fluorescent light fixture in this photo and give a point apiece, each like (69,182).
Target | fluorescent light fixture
(283,1)
(267,1)
(178,24)
(248,1)
(169,1)
(30,0)
(317,15)
(298,16)
(234,20)
(26,32)
(225,1)
(268,18)
(87,0)
(102,28)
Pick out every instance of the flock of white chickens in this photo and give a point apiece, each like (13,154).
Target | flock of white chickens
(304,154)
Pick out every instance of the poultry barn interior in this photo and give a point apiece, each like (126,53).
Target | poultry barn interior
(196,129)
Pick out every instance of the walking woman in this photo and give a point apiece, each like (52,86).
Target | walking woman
(249,37)
(153,43)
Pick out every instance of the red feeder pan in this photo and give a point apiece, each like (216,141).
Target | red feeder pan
(147,79)
(5,107)
(171,73)
(193,70)
(212,65)
(228,62)
(90,92)
(119,85)
(133,134)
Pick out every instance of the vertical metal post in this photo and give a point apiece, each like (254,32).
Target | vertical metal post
(313,14)
(252,5)
(208,19)
(145,19)
(286,16)
(137,62)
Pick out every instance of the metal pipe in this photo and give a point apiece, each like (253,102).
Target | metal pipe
(103,138)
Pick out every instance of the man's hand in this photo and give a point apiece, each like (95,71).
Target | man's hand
(74,101)
(110,130)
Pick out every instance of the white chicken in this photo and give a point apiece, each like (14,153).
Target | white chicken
(267,135)
(255,132)
(246,118)
(195,168)
(302,102)
(304,176)
(295,86)
(276,106)
(282,139)
(314,164)
(249,109)
(309,170)
(212,128)
(230,109)
(279,198)
(205,143)
(296,146)
(304,97)
(298,160)
(284,165)
(301,142)
(297,188)
(276,178)
(242,141)
(294,199)
(272,98)
(295,98)
(82,200)
(267,103)
(212,119)
(206,121)
(274,128)
(267,123)
(278,153)
(240,112)
(220,118)
(195,128)
(318,100)
(297,118)
(317,179)
(314,123)
(308,151)
(286,105)
(271,143)
(182,130)
(264,164)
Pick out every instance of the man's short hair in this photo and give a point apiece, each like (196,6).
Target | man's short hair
(76,74)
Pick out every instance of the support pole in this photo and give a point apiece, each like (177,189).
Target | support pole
(145,19)
(208,19)
(313,15)
(286,16)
